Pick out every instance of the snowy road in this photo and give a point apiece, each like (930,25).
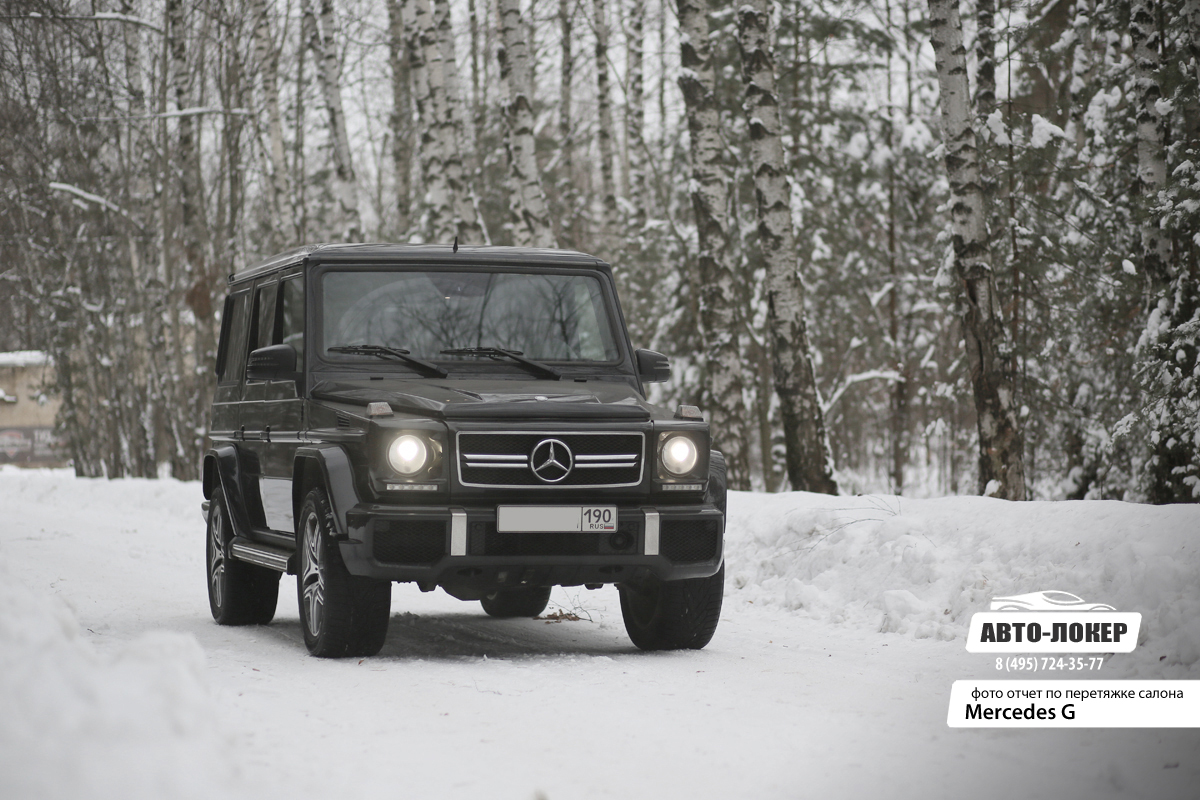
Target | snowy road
(459,705)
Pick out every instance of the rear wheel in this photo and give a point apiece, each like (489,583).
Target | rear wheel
(677,615)
(341,614)
(238,593)
(517,602)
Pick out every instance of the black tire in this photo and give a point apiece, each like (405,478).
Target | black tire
(238,593)
(516,602)
(678,615)
(341,614)
(673,615)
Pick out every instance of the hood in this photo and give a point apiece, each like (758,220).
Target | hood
(493,399)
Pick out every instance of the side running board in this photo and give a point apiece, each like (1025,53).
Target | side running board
(264,555)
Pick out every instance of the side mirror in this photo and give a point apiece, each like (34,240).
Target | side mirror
(274,363)
(652,367)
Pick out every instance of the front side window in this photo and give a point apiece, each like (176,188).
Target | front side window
(545,317)
(292,318)
(232,350)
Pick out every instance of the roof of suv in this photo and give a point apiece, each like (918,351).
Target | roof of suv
(439,254)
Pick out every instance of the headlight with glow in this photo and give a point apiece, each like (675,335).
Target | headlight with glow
(679,455)
(408,454)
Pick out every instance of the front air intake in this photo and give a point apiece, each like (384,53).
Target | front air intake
(689,540)
(421,541)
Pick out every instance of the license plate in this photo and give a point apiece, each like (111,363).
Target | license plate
(555,519)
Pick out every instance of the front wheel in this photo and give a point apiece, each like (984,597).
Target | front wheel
(341,614)
(678,615)
(673,615)
(516,602)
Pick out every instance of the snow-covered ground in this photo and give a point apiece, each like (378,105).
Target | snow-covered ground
(828,677)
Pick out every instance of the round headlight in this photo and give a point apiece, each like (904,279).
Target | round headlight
(408,454)
(679,455)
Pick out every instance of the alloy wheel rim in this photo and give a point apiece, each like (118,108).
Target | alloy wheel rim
(216,559)
(312,581)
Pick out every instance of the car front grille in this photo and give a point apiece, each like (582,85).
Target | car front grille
(505,459)
(686,540)
(419,541)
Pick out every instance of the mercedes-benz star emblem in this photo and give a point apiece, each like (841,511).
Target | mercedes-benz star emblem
(551,460)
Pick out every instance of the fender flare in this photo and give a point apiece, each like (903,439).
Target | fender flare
(328,466)
(221,468)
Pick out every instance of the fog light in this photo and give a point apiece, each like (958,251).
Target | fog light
(408,454)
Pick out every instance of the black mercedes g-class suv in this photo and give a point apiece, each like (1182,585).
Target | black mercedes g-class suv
(472,418)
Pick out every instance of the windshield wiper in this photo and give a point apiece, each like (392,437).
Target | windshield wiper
(427,367)
(498,353)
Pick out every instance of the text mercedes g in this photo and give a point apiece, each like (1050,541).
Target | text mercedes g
(472,418)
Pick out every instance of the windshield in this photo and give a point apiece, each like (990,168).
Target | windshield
(543,316)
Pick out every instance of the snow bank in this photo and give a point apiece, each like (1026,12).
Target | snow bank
(133,723)
(23,358)
(921,568)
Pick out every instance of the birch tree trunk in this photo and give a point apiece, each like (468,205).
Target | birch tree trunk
(476,73)
(467,224)
(166,286)
(530,215)
(299,164)
(144,290)
(1151,139)
(232,91)
(283,215)
(610,222)
(566,130)
(985,58)
(437,133)
(197,294)
(635,113)
(898,395)
(400,120)
(988,351)
(432,196)
(1083,69)
(719,288)
(985,104)
(809,462)
(664,140)
(1191,13)
(329,75)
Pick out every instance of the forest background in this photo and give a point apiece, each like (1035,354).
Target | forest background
(994,210)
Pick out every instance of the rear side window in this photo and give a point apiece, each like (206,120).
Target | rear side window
(232,349)
(291,313)
(262,326)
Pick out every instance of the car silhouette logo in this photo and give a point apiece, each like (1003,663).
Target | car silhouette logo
(1046,601)
(551,460)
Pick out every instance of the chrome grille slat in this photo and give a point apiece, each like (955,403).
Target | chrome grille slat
(491,457)
(477,465)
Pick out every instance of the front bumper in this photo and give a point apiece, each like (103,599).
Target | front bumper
(460,549)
